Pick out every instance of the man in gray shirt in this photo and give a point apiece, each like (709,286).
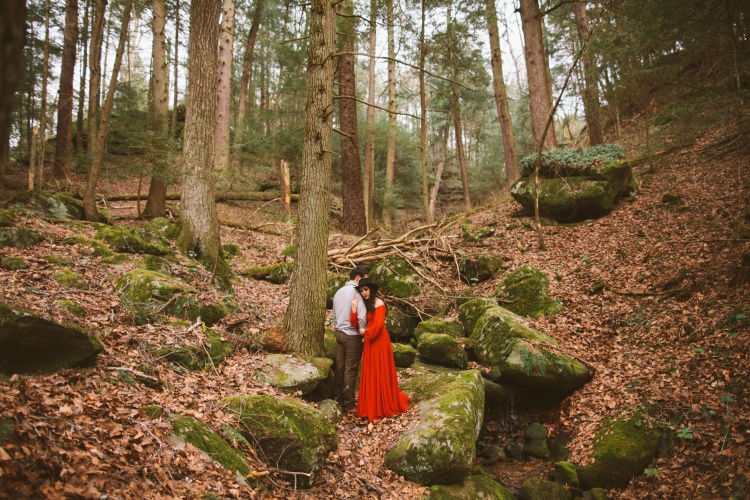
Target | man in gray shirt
(348,340)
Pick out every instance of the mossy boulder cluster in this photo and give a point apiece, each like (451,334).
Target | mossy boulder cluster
(525,290)
(139,240)
(30,343)
(574,185)
(440,448)
(50,204)
(480,268)
(191,357)
(396,277)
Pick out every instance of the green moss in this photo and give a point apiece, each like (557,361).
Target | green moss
(471,488)
(471,235)
(527,288)
(592,161)
(210,314)
(396,277)
(204,438)
(52,259)
(164,227)
(442,349)
(13,263)
(145,292)
(278,274)
(70,279)
(49,204)
(539,489)
(229,250)
(452,328)
(290,251)
(100,249)
(19,237)
(6,429)
(403,355)
(535,365)
(469,312)
(190,357)
(536,448)
(153,411)
(126,240)
(292,374)
(474,270)
(72,307)
(155,263)
(329,344)
(566,474)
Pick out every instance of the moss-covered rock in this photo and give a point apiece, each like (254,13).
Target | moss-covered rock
(595,494)
(164,227)
(100,249)
(442,349)
(396,277)
(213,351)
(331,410)
(278,273)
(452,328)
(154,263)
(193,431)
(469,312)
(138,240)
(53,259)
(401,321)
(404,355)
(19,237)
(72,307)
(292,374)
(480,268)
(145,292)
(13,263)
(526,288)
(70,279)
(291,435)
(6,429)
(566,474)
(30,343)
(539,489)
(471,234)
(50,204)
(440,447)
(229,250)
(623,448)
(153,412)
(535,430)
(536,448)
(471,488)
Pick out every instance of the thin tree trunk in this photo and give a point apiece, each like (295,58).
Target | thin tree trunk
(390,165)
(457,116)
(590,87)
(305,317)
(439,172)
(247,68)
(95,69)
(65,100)
(43,111)
(428,209)
(12,39)
(540,96)
(223,103)
(355,221)
(156,205)
(89,195)
(82,85)
(501,96)
(199,233)
(369,184)
(173,127)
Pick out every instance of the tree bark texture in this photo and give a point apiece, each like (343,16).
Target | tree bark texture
(247,68)
(457,117)
(224,98)
(12,39)
(199,233)
(95,67)
(65,97)
(428,213)
(89,194)
(390,164)
(369,184)
(84,68)
(43,108)
(173,125)
(501,95)
(156,205)
(540,94)
(305,316)
(590,87)
(351,167)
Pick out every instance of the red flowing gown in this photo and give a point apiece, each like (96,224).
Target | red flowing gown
(379,395)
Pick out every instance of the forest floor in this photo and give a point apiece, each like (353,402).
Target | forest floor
(668,335)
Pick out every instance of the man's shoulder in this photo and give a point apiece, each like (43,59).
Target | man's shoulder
(346,289)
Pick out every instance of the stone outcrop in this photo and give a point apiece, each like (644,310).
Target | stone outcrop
(525,291)
(292,374)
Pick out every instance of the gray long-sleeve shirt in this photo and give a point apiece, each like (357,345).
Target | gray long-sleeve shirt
(342,309)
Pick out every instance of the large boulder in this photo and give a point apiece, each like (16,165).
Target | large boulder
(138,240)
(526,290)
(404,355)
(30,343)
(442,349)
(470,311)
(292,436)
(396,277)
(451,328)
(401,321)
(540,489)
(292,374)
(471,488)
(440,447)
(50,204)
(623,448)
(480,268)
(19,237)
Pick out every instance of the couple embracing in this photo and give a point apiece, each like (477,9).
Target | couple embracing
(361,336)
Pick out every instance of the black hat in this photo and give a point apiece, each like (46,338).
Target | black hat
(368,283)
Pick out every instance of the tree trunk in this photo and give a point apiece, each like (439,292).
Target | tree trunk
(457,117)
(173,126)
(65,100)
(43,109)
(82,84)
(89,194)
(439,171)
(305,316)
(247,69)
(224,98)
(355,221)
(12,39)
(156,205)
(590,87)
(95,68)
(501,96)
(390,165)
(369,187)
(428,210)
(199,233)
(540,94)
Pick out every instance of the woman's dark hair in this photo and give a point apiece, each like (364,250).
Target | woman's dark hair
(370,303)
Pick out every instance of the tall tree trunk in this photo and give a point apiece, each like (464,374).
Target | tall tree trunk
(82,84)
(43,109)
(369,184)
(224,98)
(199,233)
(501,96)
(65,97)
(457,116)
(156,204)
(95,68)
(12,39)
(590,87)
(428,213)
(89,194)
(540,94)
(355,221)
(390,165)
(305,316)
(173,126)
(247,68)
(439,170)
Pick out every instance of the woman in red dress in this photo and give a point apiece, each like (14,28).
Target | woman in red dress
(379,395)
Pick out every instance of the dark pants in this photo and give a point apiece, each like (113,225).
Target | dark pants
(348,357)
